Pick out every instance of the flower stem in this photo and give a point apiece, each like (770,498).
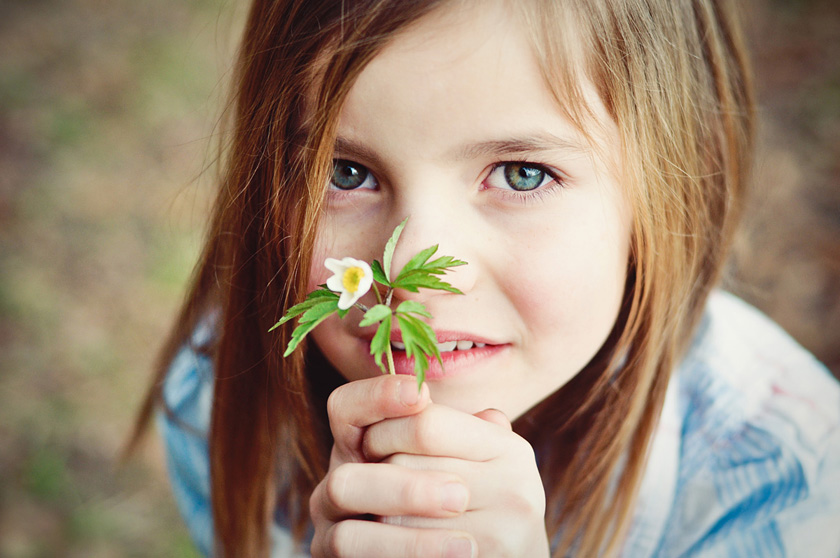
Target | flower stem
(390,356)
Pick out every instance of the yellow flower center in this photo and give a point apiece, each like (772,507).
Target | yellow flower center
(352,278)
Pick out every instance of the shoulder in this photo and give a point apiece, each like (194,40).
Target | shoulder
(188,386)
(759,442)
(184,423)
(744,372)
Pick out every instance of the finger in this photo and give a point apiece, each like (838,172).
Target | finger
(369,539)
(355,489)
(356,405)
(437,431)
(496,417)
(483,486)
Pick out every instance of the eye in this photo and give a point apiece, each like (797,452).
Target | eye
(348,175)
(522,177)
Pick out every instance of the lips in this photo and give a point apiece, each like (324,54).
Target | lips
(459,351)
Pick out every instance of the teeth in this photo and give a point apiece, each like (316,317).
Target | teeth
(447,347)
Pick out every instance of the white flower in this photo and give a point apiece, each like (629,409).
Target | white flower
(351,277)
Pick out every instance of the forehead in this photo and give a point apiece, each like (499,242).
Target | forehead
(467,72)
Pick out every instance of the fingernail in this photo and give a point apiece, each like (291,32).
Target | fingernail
(409,394)
(454,497)
(458,548)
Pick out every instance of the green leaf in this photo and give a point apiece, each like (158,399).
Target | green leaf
(379,274)
(381,341)
(390,246)
(375,314)
(310,320)
(443,263)
(413,307)
(423,335)
(419,340)
(418,278)
(418,260)
(322,292)
(320,309)
(313,298)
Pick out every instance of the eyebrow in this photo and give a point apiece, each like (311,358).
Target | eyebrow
(530,143)
(349,148)
(539,142)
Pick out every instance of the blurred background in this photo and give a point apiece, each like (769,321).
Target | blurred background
(107,111)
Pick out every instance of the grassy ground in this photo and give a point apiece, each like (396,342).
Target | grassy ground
(106,107)
(105,111)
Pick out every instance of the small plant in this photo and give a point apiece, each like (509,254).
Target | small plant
(353,278)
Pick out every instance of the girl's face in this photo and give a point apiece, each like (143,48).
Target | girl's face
(453,125)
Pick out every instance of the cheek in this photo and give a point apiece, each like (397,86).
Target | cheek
(318,273)
(574,284)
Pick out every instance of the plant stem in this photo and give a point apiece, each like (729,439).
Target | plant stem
(390,356)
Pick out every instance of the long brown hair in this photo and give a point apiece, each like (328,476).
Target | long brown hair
(673,76)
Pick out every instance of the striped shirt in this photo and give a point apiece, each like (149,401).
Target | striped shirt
(745,461)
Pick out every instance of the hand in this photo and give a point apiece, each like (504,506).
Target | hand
(354,488)
(505,514)
(453,504)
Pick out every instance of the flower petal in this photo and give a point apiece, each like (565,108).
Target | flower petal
(334,265)
(365,282)
(346,300)
(335,284)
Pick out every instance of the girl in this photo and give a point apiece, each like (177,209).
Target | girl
(588,159)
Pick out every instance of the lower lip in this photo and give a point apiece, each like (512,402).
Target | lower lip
(454,362)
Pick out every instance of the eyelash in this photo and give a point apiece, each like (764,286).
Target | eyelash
(539,193)
(555,183)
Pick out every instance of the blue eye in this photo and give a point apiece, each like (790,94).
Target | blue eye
(348,175)
(521,177)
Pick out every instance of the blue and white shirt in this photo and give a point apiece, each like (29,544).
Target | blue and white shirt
(745,461)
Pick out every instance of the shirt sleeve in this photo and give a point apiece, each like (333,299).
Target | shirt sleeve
(761,498)
(184,424)
(759,471)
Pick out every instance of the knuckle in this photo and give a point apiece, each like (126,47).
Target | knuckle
(340,539)
(415,492)
(424,432)
(383,390)
(334,402)
(400,460)
(522,506)
(523,449)
(315,511)
(336,483)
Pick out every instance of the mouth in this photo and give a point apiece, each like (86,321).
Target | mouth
(446,346)
(460,352)
(448,341)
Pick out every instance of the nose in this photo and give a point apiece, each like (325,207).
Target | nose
(452,238)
